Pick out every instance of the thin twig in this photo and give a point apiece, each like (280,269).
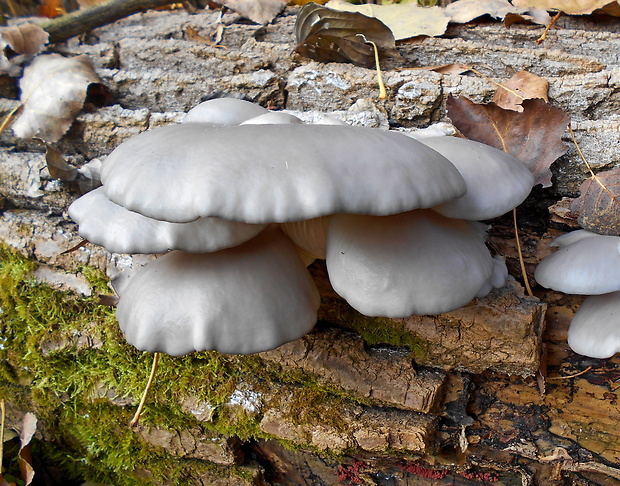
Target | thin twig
(585,161)
(499,85)
(136,418)
(521,261)
(554,21)
(382,91)
(570,376)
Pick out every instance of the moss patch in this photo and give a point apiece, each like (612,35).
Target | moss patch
(64,358)
(374,330)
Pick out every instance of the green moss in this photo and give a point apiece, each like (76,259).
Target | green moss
(68,359)
(374,330)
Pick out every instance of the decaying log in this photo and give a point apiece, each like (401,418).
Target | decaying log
(460,397)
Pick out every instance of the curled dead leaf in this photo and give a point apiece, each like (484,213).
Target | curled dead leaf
(53,91)
(259,11)
(534,136)
(328,35)
(84,179)
(598,205)
(19,42)
(29,427)
(522,86)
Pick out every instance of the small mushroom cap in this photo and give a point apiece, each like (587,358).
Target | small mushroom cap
(496,181)
(418,262)
(223,111)
(247,299)
(595,329)
(275,173)
(588,266)
(571,237)
(121,231)
(273,118)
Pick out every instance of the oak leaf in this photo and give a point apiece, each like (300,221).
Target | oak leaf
(599,203)
(53,91)
(534,136)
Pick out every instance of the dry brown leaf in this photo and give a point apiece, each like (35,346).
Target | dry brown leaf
(463,11)
(53,90)
(571,7)
(404,20)
(259,11)
(522,86)
(329,35)
(530,16)
(18,42)
(29,427)
(599,203)
(534,136)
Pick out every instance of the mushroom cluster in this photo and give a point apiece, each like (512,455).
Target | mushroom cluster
(240,200)
(587,263)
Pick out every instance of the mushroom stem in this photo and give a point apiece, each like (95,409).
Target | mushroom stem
(136,418)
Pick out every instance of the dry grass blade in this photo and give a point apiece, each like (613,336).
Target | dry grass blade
(136,418)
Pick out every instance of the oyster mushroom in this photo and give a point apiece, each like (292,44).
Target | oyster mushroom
(121,231)
(588,264)
(496,181)
(417,262)
(247,299)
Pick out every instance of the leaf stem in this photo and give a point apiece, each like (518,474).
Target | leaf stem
(554,21)
(382,91)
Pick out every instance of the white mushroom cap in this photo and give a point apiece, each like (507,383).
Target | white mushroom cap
(418,262)
(595,329)
(247,299)
(571,237)
(589,266)
(275,173)
(223,111)
(496,181)
(273,118)
(121,231)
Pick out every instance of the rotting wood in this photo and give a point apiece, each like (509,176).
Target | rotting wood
(340,359)
(502,332)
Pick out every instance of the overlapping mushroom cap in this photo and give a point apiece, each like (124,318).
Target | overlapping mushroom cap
(275,173)
(247,299)
(418,262)
(121,231)
(496,181)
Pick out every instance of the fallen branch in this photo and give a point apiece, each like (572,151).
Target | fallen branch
(62,28)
